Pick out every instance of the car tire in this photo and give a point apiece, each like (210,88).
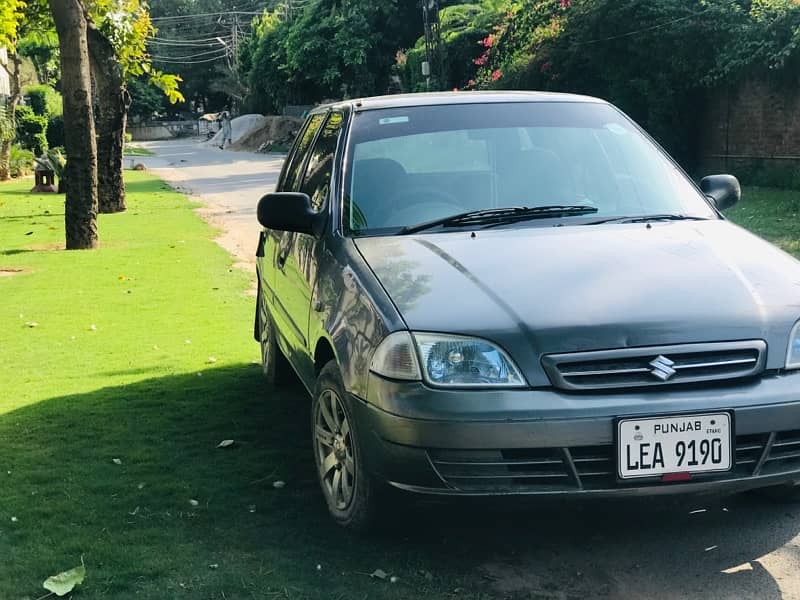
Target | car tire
(274,365)
(787,493)
(353,496)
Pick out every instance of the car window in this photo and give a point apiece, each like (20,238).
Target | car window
(417,164)
(317,180)
(295,168)
(446,151)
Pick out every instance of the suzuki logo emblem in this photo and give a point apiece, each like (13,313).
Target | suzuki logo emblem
(662,368)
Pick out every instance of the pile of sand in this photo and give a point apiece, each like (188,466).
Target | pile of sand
(268,135)
(240,127)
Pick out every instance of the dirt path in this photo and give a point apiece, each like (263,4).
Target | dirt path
(229,184)
(733,548)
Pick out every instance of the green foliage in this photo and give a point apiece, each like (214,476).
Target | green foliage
(56,158)
(466,29)
(55,131)
(146,99)
(40,45)
(10,17)
(21,163)
(44,100)
(7,129)
(31,130)
(654,59)
(127,25)
(333,49)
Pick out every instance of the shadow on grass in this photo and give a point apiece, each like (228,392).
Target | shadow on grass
(179,517)
(15,251)
(36,216)
(25,192)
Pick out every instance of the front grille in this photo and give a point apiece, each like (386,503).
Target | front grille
(542,470)
(656,366)
(784,454)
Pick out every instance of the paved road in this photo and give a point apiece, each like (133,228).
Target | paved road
(740,547)
(228,183)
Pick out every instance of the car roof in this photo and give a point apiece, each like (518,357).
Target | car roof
(449,98)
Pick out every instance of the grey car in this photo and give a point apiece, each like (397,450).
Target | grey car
(522,294)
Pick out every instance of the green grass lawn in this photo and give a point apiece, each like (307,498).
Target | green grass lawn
(141,351)
(133,150)
(772,214)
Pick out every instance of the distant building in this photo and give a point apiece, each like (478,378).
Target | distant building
(5,81)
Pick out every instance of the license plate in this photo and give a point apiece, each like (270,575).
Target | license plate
(658,446)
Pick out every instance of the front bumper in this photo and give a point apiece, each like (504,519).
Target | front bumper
(547,442)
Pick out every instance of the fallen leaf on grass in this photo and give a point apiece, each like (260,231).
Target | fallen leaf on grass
(63,583)
(225,444)
(379,574)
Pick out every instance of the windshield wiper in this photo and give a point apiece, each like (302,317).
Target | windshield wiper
(498,216)
(648,218)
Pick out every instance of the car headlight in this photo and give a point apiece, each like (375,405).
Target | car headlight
(445,361)
(793,356)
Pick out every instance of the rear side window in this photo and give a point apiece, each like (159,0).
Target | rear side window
(317,180)
(295,168)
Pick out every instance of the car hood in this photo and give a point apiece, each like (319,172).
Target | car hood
(538,291)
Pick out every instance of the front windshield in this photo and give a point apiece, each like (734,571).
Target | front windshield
(412,165)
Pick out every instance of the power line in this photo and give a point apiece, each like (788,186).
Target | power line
(643,30)
(224,50)
(199,42)
(205,15)
(188,62)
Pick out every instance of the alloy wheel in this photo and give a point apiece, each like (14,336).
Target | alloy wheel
(333,444)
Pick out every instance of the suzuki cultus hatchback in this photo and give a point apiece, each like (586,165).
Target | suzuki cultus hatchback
(521,293)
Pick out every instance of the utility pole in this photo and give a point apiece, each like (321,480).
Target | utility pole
(433,44)
(233,61)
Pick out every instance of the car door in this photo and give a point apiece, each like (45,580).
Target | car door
(270,241)
(296,262)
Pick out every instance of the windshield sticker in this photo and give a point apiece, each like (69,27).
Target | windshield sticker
(393,120)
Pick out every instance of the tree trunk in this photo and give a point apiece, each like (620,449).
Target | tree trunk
(80,215)
(16,94)
(111,115)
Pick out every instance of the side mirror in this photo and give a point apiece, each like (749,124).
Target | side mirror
(288,211)
(724,190)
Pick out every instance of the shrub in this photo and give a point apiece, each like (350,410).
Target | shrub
(31,130)
(6,126)
(44,100)
(55,131)
(21,162)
